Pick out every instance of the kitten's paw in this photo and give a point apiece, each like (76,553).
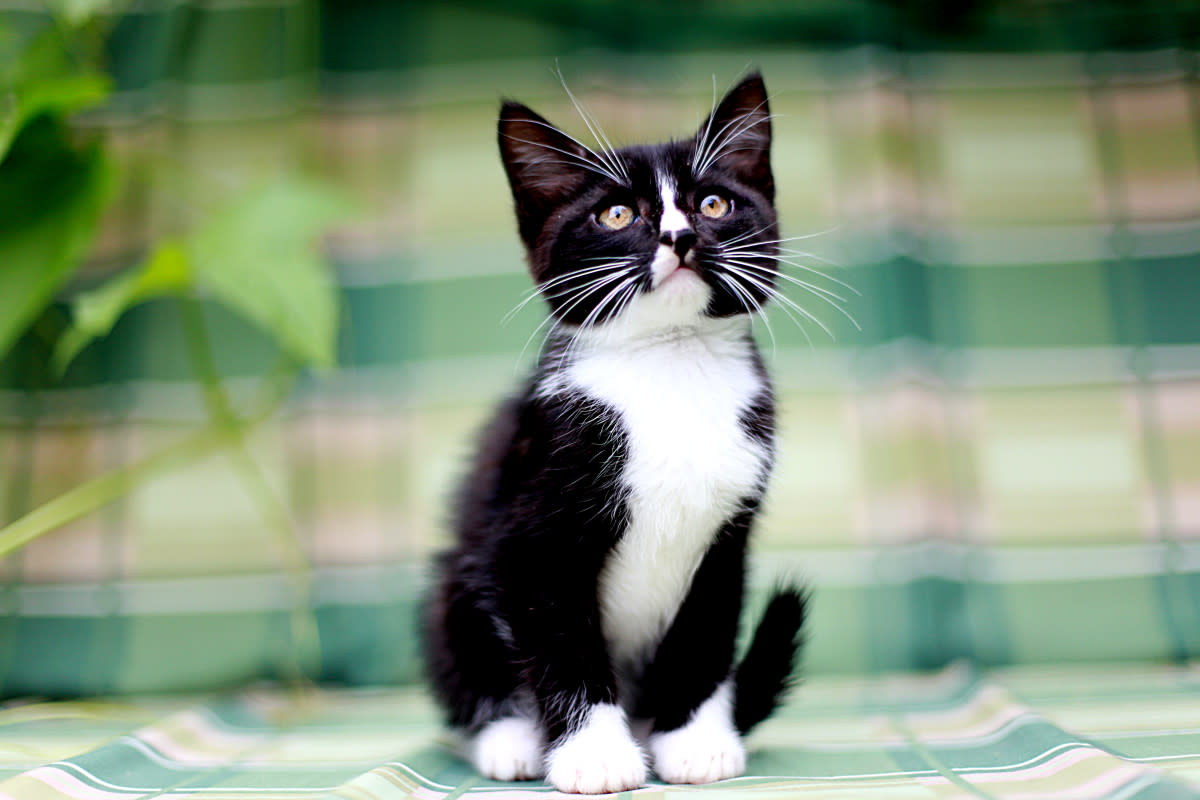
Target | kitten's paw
(599,757)
(689,756)
(704,750)
(508,749)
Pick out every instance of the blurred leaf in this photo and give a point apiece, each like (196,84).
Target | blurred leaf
(259,257)
(94,313)
(38,77)
(51,198)
(11,45)
(77,12)
(35,56)
(63,95)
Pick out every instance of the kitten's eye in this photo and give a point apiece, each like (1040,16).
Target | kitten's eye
(715,206)
(615,217)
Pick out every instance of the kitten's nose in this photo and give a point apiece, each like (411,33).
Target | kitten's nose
(681,241)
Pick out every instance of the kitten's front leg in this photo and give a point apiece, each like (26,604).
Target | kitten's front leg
(592,749)
(598,755)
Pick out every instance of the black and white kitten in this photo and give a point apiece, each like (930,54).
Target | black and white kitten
(587,616)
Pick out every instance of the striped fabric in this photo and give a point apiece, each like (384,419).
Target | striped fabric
(1098,732)
(995,463)
(1001,466)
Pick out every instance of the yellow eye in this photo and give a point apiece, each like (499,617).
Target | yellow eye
(715,206)
(615,217)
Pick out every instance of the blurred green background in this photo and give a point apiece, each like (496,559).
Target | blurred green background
(1003,464)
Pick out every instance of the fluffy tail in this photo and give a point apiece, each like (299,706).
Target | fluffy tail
(765,674)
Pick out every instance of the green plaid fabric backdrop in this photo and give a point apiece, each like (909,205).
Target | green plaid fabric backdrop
(1002,465)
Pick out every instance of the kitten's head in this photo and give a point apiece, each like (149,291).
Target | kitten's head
(668,234)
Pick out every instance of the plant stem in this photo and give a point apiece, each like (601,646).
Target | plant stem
(225,432)
(294,561)
(99,492)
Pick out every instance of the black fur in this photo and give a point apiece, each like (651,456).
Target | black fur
(513,625)
(516,606)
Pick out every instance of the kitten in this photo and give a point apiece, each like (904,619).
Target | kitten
(587,616)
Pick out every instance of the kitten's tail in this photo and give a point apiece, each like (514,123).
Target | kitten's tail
(765,674)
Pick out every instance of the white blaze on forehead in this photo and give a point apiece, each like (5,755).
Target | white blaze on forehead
(670,224)
(673,220)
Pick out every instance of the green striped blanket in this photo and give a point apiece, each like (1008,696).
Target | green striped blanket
(1099,732)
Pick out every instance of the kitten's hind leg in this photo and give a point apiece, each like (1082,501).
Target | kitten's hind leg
(470,670)
(706,748)
(686,687)
(507,749)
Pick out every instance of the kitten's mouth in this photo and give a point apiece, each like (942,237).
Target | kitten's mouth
(682,268)
(687,264)
(668,267)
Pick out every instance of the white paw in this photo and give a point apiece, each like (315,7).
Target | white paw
(508,749)
(704,750)
(684,756)
(601,756)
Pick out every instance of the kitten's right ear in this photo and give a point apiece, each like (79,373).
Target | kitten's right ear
(543,164)
(737,135)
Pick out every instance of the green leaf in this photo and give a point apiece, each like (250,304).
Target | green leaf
(63,95)
(258,256)
(51,199)
(94,313)
(42,78)
(77,12)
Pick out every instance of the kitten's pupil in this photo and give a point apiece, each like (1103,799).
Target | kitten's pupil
(715,206)
(615,217)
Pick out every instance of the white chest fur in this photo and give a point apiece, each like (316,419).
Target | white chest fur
(690,464)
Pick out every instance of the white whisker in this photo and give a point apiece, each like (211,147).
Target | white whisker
(595,314)
(812,287)
(703,144)
(747,301)
(614,259)
(799,325)
(807,254)
(771,291)
(814,234)
(814,271)
(709,158)
(607,153)
(579,160)
(590,320)
(740,126)
(746,235)
(746,252)
(823,294)
(803,236)
(541,289)
(576,298)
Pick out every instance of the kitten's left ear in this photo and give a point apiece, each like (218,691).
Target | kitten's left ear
(737,136)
